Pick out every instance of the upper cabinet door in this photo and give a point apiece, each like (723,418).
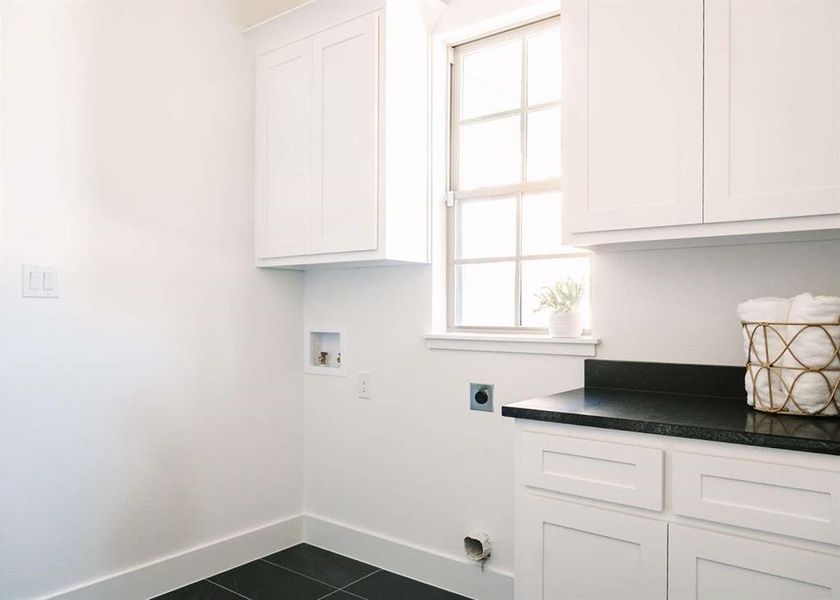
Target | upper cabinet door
(345,179)
(632,113)
(283,151)
(772,109)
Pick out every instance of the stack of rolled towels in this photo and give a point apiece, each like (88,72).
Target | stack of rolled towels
(790,365)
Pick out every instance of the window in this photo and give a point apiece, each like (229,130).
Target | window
(504,214)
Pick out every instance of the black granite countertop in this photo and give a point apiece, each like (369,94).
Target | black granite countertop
(690,401)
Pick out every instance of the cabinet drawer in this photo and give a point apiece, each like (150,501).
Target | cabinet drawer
(619,473)
(795,501)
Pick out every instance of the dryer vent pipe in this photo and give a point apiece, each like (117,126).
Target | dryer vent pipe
(477,546)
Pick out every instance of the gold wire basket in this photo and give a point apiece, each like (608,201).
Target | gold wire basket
(781,379)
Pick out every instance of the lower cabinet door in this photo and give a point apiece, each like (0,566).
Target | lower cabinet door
(706,565)
(567,551)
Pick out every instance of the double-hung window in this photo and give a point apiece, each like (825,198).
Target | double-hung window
(504,211)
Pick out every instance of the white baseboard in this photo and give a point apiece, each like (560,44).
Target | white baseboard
(459,575)
(456,574)
(177,570)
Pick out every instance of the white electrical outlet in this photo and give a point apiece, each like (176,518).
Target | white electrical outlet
(364,390)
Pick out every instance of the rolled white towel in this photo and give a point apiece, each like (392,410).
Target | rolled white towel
(764,310)
(815,348)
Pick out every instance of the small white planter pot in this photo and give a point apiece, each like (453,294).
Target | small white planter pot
(565,324)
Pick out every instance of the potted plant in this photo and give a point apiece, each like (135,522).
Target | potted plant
(563,299)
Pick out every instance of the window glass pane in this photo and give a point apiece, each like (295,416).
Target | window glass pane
(491,80)
(539,273)
(544,144)
(486,228)
(490,153)
(544,67)
(486,294)
(542,223)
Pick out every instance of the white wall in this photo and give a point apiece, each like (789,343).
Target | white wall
(155,406)
(412,463)
(415,464)
(679,305)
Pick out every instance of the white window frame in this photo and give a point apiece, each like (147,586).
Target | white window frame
(456,196)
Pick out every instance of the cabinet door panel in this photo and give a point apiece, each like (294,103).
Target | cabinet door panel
(772,120)
(632,113)
(566,550)
(346,136)
(283,151)
(705,565)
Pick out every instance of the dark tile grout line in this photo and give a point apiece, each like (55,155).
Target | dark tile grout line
(334,589)
(228,589)
(301,574)
(344,589)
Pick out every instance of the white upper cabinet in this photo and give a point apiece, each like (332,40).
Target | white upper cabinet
(772,109)
(346,136)
(690,119)
(632,113)
(330,119)
(283,172)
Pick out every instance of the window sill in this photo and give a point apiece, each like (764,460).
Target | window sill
(512,343)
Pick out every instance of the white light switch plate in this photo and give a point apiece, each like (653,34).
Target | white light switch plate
(40,281)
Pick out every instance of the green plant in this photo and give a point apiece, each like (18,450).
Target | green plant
(564,296)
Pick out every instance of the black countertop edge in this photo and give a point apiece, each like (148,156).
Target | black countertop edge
(677,430)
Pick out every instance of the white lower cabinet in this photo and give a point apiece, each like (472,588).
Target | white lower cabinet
(564,551)
(607,515)
(706,565)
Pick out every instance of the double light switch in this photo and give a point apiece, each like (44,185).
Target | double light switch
(40,281)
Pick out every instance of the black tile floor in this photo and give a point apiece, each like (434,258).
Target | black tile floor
(304,572)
